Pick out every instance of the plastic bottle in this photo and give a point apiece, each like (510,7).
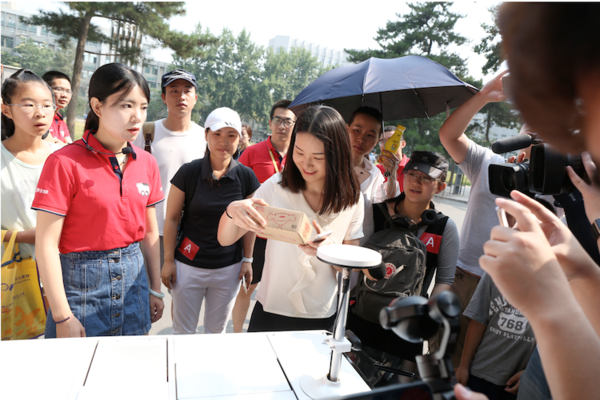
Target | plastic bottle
(393,142)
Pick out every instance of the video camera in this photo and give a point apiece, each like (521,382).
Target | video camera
(544,173)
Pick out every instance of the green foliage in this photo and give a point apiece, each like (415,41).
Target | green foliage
(66,25)
(427,30)
(500,114)
(491,44)
(156,108)
(142,18)
(237,73)
(135,19)
(40,58)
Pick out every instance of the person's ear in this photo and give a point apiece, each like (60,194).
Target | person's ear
(402,144)
(96,106)
(6,111)
(162,96)
(441,188)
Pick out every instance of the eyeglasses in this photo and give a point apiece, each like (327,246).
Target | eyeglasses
(414,177)
(288,123)
(62,90)
(29,108)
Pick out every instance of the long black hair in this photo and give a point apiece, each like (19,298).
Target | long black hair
(108,80)
(342,189)
(10,88)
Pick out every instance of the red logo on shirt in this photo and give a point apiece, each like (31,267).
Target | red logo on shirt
(432,242)
(188,248)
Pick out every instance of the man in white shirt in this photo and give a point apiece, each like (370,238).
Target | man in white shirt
(365,129)
(177,140)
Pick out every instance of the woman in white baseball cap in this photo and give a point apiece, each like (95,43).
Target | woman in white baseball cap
(197,267)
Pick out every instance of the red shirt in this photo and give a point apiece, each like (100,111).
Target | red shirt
(59,129)
(102,210)
(258,158)
(399,176)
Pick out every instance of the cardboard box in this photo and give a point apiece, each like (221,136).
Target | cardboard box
(285,225)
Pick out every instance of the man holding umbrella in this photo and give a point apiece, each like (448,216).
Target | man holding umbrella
(365,129)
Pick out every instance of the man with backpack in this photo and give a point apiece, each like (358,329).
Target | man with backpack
(416,242)
(174,140)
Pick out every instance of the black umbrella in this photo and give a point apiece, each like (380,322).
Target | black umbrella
(401,88)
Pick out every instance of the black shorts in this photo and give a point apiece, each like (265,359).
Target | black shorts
(263,321)
(260,245)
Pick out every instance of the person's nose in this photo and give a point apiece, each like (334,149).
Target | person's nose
(360,138)
(139,115)
(38,113)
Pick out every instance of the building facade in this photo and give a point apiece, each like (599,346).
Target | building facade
(16,30)
(326,56)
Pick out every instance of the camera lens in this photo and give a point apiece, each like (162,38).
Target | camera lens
(507,179)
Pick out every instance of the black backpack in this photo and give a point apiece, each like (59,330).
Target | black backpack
(383,222)
(405,258)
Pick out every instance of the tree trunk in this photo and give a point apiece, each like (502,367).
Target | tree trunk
(488,124)
(77,68)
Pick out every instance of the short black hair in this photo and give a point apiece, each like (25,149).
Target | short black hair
(280,104)
(50,76)
(371,112)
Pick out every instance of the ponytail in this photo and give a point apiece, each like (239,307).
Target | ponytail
(108,80)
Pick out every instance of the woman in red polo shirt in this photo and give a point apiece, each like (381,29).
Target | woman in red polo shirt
(95,201)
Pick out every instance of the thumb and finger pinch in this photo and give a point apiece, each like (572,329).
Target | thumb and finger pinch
(522,263)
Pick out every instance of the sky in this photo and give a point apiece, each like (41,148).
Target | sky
(333,24)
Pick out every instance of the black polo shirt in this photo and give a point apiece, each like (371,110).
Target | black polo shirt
(199,246)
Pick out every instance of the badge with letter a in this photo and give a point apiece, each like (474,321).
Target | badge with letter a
(188,248)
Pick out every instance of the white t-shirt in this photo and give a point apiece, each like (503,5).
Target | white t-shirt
(172,150)
(294,284)
(374,191)
(19,181)
(481,214)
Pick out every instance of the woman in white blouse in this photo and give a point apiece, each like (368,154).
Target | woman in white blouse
(297,290)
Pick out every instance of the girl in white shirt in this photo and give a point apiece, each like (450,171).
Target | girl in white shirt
(27,113)
(298,291)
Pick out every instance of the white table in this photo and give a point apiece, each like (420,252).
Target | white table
(244,366)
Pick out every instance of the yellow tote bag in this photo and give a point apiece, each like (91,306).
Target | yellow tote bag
(23,310)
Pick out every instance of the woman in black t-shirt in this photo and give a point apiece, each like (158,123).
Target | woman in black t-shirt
(197,267)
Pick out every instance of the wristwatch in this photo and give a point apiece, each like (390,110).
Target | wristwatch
(246,259)
(596,229)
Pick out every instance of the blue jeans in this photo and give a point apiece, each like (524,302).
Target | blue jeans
(107,292)
(533,384)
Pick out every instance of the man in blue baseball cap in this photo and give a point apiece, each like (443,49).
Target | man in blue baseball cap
(174,140)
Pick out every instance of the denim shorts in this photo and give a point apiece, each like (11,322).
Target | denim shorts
(107,292)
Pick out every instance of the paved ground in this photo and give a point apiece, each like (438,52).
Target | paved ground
(454,206)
